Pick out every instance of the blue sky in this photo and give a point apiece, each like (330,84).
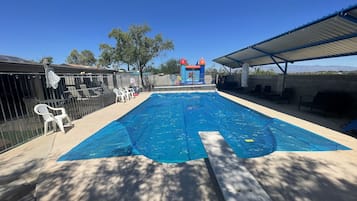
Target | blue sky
(202,28)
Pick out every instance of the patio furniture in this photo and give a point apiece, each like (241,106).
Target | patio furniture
(130,91)
(351,126)
(86,91)
(134,91)
(336,102)
(74,92)
(125,92)
(119,95)
(284,97)
(266,93)
(257,90)
(44,111)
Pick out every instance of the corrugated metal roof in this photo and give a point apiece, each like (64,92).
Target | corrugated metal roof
(332,36)
(13,67)
(15,64)
(6,58)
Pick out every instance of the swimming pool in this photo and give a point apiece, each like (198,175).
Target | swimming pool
(165,128)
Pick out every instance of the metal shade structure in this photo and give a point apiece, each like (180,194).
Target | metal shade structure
(331,36)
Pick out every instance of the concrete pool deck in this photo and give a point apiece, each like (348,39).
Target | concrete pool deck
(283,175)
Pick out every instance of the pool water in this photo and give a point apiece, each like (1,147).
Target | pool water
(165,128)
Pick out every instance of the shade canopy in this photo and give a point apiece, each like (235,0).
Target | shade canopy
(331,36)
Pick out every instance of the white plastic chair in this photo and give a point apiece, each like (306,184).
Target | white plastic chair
(130,91)
(126,93)
(119,95)
(42,109)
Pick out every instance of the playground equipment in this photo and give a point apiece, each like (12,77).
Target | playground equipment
(192,74)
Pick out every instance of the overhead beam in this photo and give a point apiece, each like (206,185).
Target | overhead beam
(285,71)
(224,68)
(282,70)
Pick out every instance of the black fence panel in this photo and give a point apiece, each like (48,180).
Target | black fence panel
(79,94)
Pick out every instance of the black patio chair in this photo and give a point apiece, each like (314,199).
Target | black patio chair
(256,91)
(267,92)
(329,102)
(284,97)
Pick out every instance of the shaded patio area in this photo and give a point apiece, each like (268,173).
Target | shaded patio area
(334,122)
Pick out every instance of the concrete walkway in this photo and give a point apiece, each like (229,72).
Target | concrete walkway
(283,175)
(21,166)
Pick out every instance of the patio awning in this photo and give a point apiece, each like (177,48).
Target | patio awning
(331,36)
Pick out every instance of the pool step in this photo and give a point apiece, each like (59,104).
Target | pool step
(198,87)
(234,180)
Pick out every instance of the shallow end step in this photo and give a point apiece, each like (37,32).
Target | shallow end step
(234,180)
(198,87)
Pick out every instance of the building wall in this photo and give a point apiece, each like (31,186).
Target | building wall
(304,85)
(310,85)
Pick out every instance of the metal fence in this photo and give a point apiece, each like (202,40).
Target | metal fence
(78,94)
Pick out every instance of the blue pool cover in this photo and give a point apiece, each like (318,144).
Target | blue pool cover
(165,128)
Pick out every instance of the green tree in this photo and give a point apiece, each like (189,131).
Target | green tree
(106,57)
(155,71)
(74,57)
(122,52)
(171,66)
(49,59)
(86,57)
(258,71)
(211,71)
(124,48)
(135,48)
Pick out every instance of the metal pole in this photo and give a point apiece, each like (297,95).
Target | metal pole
(284,76)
